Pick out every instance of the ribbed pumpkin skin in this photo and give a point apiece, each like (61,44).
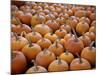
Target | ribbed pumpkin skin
(55,67)
(74,46)
(33,70)
(76,65)
(89,54)
(18,63)
(45,59)
(86,40)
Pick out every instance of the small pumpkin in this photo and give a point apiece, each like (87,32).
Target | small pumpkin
(67,56)
(80,64)
(42,29)
(51,36)
(56,48)
(58,65)
(44,58)
(18,62)
(35,69)
(18,42)
(89,53)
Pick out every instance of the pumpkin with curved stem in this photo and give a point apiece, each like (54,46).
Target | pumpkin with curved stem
(89,53)
(80,64)
(31,50)
(74,45)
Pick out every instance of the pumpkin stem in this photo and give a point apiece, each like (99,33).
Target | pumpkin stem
(59,60)
(44,51)
(16,36)
(23,33)
(91,45)
(80,60)
(30,43)
(76,38)
(18,21)
(56,43)
(60,30)
(51,33)
(43,39)
(33,30)
(35,65)
(66,52)
(50,16)
(70,33)
(83,35)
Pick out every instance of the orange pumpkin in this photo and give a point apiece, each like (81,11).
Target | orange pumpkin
(56,48)
(53,24)
(82,27)
(34,36)
(61,33)
(67,56)
(44,58)
(18,62)
(44,43)
(37,19)
(42,29)
(86,40)
(31,50)
(80,13)
(58,65)
(18,42)
(89,53)
(80,64)
(52,37)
